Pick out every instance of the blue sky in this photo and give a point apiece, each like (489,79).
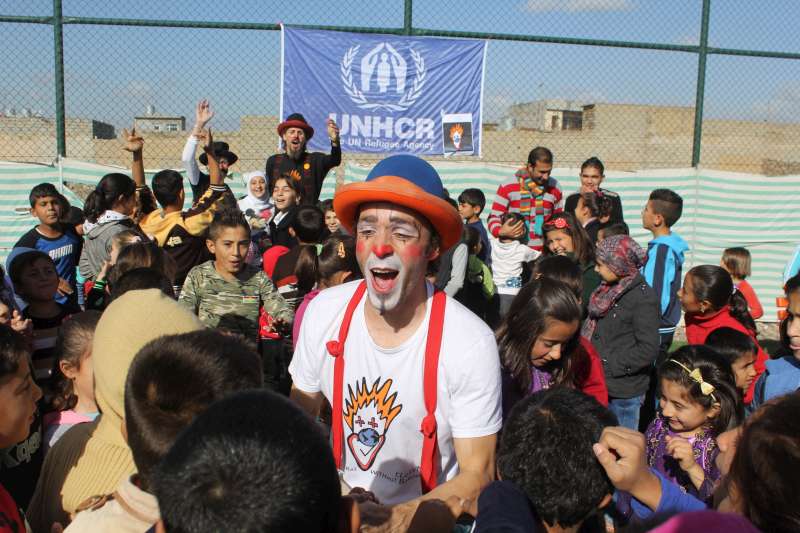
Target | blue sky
(112,73)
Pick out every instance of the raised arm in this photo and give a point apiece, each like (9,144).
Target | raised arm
(213,164)
(202,115)
(134,144)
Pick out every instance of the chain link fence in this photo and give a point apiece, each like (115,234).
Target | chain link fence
(618,79)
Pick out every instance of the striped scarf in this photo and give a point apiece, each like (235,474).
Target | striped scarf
(530,193)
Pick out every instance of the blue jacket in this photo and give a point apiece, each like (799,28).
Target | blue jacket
(664,272)
(782,376)
(673,501)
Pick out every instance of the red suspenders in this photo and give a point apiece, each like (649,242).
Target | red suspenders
(427,469)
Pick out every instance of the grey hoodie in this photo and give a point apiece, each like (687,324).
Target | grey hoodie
(97,246)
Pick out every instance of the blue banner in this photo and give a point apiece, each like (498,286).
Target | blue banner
(387,93)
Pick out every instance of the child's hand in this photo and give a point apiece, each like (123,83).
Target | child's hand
(21,325)
(512,230)
(681,450)
(64,288)
(132,142)
(203,113)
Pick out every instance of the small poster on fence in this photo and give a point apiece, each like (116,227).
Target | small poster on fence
(457,134)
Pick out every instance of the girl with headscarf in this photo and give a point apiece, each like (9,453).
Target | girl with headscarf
(623,325)
(258,210)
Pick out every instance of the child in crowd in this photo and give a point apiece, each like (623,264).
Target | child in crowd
(710,302)
(665,256)
(737,262)
(19,395)
(550,478)
(307,228)
(56,239)
(335,264)
(227,293)
(257,204)
(36,281)
(546,351)
(208,366)
(591,209)
(108,210)
(230,468)
(286,195)
(331,220)
(623,326)
(782,376)
(471,204)
(509,258)
(739,350)
(609,229)
(74,401)
(564,236)
(699,401)
(479,290)
(97,291)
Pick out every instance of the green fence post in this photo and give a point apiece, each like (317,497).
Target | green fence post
(407,17)
(58,54)
(701,84)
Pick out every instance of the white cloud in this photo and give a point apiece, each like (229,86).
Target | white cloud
(574,6)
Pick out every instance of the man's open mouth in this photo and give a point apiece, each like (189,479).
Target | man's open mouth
(383,278)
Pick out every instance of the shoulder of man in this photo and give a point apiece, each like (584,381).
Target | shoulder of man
(610,194)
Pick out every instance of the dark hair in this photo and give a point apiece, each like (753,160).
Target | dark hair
(13,349)
(537,303)
(43,190)
(668,204)
(227,218)
(792,285)
(594,162)
(308,224)
(338,254)
(22,262)
(473,197)
(74,340)
(513,216)
(326,205)
(107,192)
(765,465)
(546,451)
(541,154)
(599,204)
(581,243)
(142,278)
(737,262)
(176,377)
(452,202)
(167,187)
(715,370)
(294,183)
(614,228)
(731,344)
(713,283)
(471,237)
(142,255)
(253,460)
(560,268)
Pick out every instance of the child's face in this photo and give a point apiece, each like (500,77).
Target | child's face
(559,242)
(47,209)
(82,378)
(744,370)
(467,211)
(683,414)
(39,282)
(332,221)
(18,397)
(230,249)
(549,344)
(689,302)
(605,272)
(793,323)
(5,314)
(283,195)
(258,186)
(591,179)
(649,220)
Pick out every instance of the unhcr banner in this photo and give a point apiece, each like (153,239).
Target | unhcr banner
(387,93)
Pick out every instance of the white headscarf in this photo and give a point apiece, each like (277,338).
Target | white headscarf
(252,202)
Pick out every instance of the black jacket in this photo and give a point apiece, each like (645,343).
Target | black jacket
(616,205)
(312,168)
(627,340)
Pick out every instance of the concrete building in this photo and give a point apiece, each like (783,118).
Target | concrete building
(152,122)
(546,115)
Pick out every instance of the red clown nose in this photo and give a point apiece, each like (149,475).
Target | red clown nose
(383,250)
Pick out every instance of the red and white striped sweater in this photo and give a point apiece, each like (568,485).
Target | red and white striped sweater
(507,200)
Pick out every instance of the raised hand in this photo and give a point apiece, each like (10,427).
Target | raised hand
(511,229)
(681,451)
(131,141)
(333,130)
(202,114)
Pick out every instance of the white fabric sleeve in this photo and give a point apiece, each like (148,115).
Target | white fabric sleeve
(531,254)
(458,269)
(189,161)
(476,393)
(309,355)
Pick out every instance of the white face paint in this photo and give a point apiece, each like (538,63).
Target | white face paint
(385,282)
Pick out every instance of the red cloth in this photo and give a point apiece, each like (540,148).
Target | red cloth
(594,382)
(10,517)
(271,256)
(756,311)
(698,328)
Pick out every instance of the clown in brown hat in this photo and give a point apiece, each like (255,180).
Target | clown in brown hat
(295,132)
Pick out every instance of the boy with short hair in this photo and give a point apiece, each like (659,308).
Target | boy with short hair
(56,239)
(551,479)
(227,292)
(171,381)
(19,395)
(471,204)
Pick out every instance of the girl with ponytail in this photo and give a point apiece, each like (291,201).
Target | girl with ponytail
(710,301)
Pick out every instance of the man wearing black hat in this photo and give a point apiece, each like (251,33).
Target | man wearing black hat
(312,167)
(199,180)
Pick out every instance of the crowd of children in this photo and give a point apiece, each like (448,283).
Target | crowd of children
(131,345)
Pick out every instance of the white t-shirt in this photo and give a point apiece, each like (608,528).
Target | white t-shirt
(507,260)
(383,402)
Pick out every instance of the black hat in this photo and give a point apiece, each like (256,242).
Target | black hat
(221,149)
(296,120)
